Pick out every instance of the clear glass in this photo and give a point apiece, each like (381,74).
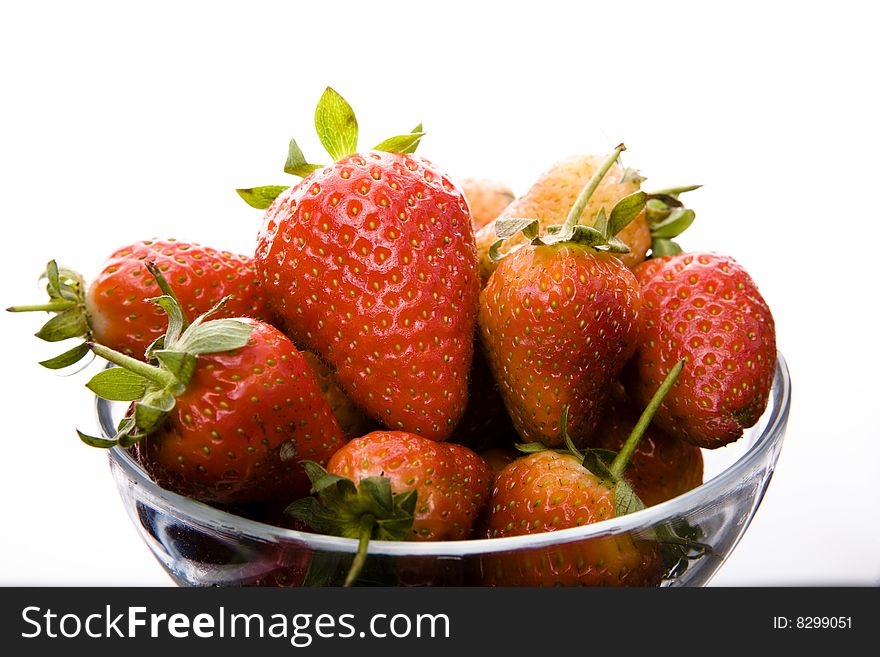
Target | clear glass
(203,546)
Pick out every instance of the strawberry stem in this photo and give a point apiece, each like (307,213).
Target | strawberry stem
(166,289)
(625,454)
(583,198)
(368,521)
(156,375)
(52,306)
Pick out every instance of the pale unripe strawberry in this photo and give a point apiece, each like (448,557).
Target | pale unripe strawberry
(552,196)
(486,199)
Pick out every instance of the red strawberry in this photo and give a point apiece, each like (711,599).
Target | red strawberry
(559,319)
(547,491)
(115,309)
(371,263)
(227,415)
(662,466)
(394,485)
(451,481)
(704,308)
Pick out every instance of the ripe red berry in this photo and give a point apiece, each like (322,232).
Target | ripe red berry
(115,310)
(451,482)
(370,262)
(706,309)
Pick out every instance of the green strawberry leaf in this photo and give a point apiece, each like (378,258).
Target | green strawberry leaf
(214,336)
(93,441)
(601,223)
(181,364)
(531,448)
(678,221)
(656,210)
(66,359)
(336,124)
(625,210)
(625,499)
(118,384)
(400,143)
(261,197)
(415,145)
(505,228)
(598,461)
(675,191)
(583,235)
(176,320)
(296,163)
(663,247)
(71,323)
(614,245)
(148,417)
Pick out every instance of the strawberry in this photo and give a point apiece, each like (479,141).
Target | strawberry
(706,309)
(559,318)
(662,466)
(370,263)
(550,198)
(451,481)
(115,309)
(486,199)
(394,485)
(226,416)
(547,491)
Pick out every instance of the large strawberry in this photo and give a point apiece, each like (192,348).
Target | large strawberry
(706,309)
(551,490)
(394,485)
(560,317)
(115,309)
(370,262)
(226,416)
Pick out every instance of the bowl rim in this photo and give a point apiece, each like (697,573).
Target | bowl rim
(187,509)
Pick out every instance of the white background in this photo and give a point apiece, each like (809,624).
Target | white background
(123,121)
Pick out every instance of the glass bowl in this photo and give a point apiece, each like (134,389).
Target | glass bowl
(681,542)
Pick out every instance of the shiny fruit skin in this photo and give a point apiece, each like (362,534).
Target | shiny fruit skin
(558,324)
(370,263)
(551,197)
(548,491)
(451,481)
(705,308)
(122,318)
(486,199)
(662,467)
(237,433)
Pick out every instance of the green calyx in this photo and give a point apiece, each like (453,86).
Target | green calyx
(600,235)
(70,319)
(668,218)
(154,386)
(337,129)
(368,511)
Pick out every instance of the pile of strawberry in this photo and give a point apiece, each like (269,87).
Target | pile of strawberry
(409,358)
